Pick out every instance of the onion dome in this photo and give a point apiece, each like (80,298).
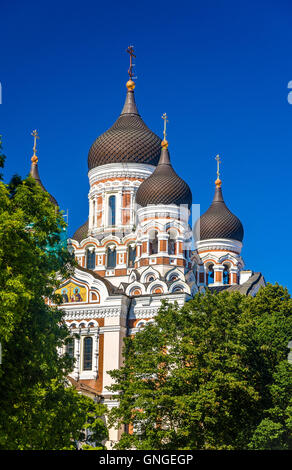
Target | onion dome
(164,186)
(34,171)
(81,233)
(128,140)
(218,221)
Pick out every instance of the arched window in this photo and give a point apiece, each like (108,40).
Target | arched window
(172,243)
(90,258)
(111,257)
(70,347)
(153,243)
(87,353)
(131,256)
(112,210)
(210,274)
(226,274)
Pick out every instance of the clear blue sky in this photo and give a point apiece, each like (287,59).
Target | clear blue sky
(220,69)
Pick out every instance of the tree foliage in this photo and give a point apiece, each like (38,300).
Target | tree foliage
(2,157)
(39,410)
(211,375)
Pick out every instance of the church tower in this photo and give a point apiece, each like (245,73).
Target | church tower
(218,234)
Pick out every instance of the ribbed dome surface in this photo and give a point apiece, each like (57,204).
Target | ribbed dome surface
(34,172)
(164,186)
(81,233)
(128,140)
(219,222)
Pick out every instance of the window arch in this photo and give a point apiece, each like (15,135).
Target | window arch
(112,210)
(87,353)
(111,256)
(178,289)
(153,243)
(157,290)
(90,258)
(131,256)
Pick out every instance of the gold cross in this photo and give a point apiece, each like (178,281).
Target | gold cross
(164,117)
(36,136)
(130,51)
(218,166)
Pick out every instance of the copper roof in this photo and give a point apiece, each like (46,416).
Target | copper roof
(219,222)
(244,288)
(164,186)
(128,140)
(34,172)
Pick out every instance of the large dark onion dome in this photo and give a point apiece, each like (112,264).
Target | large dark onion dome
(218,221)
(164,186)
(128,140)
(34,172)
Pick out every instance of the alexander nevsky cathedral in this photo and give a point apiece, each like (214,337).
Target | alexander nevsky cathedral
(136,247)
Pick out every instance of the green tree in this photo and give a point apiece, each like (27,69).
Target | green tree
(203,376)
(39,410)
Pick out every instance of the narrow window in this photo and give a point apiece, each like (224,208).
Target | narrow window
(226,275)
(171,244)
(90,259)
(70,347)
(131,256)
(111,257)
(112,210)
(87,353)
(153,244)
(210,274)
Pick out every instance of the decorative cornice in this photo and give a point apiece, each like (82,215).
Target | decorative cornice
(120,170)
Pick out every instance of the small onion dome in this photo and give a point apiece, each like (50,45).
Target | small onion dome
(128,140)
(218,221)
(164,186)
(34,172)
(81,233)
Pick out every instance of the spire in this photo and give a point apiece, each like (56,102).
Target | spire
(164,186)
(128,139)
(218,221)
(34,171)
(130,104)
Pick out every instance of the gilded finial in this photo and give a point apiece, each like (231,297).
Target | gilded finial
(218,182)
(35,135)
(164,143)
(130,83)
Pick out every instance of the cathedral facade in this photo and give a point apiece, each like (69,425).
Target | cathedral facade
(137,248)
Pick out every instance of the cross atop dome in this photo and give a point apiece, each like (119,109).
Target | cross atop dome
(218,181)
(130,83)
(164,143)
(35,135)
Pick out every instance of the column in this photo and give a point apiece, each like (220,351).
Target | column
(218,275)
(233,272)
